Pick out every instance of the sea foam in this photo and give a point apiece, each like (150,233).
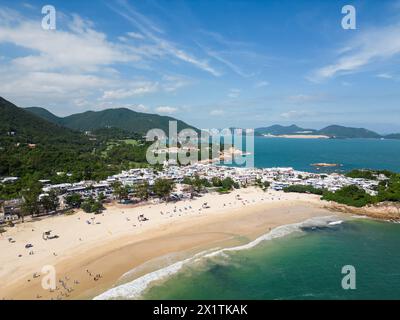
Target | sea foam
(134,289)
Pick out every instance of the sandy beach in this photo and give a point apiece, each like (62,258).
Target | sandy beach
(92,252)
(299,136)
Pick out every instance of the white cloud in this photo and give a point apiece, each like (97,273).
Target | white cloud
(135,35)
(137,89)
(172,83)
(305,98)
(216,112)
(155,35)
(296,114)
(367,47)
(140,108)
(166,109)
(261,84)
(234,93)
(385,76)
(75,65)
(78,48)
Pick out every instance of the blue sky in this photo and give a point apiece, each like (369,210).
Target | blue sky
(211,63)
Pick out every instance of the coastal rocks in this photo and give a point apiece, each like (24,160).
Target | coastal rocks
(389,211)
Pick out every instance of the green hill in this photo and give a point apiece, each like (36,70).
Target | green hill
(45,114)
(393,136)
(19,125)
(348,132)
(122,118)
(333,131)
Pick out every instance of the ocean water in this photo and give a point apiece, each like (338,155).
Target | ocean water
(350,153)
(302,265)
(299,261)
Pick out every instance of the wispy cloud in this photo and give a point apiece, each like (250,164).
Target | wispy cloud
(166,109)
(296,114)
(216,112)
(138,89)
(367,47)
(156,35)
(261,84)
(140,108)
(384,76)
(234,93)
(305,98)
(76,63)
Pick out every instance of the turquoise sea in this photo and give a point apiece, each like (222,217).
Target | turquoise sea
(350,153)
(296,261)
(302,265)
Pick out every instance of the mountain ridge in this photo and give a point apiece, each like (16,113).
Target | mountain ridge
(332,131)
(23,126)
(121,118)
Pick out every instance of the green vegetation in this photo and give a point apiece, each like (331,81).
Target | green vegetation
(120,191)
(91,205)
(122,118)
(331,131)
(32,148)
(74,200)
(30,205)
(263,185)
(197,183)
(368,174)
(304,189)
(351,196)
(388,190)
(142,191)
(228,185)
(50,202)
(163,188)
(347,132)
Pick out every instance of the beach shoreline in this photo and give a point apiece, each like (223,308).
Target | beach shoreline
(91,258)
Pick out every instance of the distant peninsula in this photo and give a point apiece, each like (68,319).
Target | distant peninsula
(331,132)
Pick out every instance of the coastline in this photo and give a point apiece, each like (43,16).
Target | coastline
(298,136)
(116,243)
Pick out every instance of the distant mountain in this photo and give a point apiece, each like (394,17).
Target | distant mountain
(392,136)
(122,118)
(280,130)
(23,126)
(333,131)
(336,131)
(45,114)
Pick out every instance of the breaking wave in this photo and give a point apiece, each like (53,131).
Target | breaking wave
(134,289)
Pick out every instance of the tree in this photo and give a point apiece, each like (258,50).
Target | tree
(97,207)
(120,191)
(90,205)
(163,188)
(187,180)
(74,200)
(142,191)
(30,205)
(228,184)
(50,202)
(216,182)
(101,197)
(197,184)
